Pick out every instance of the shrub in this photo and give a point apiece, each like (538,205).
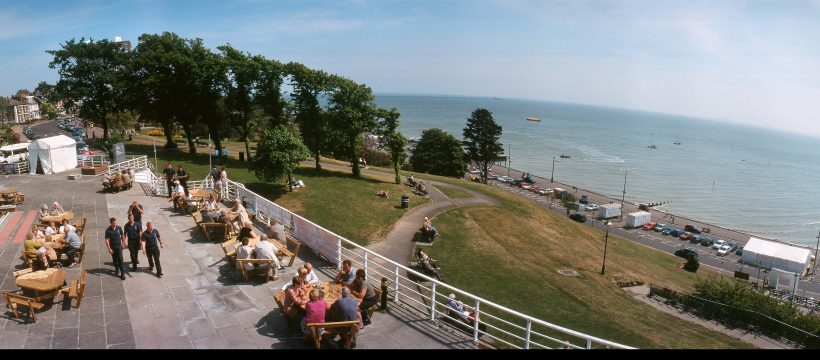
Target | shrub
(692,264)
(156,132)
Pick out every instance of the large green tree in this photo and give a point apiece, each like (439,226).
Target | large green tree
(92,77)
(439,153)
(313,121)
(278,153)
(393,140)
(481,140)
(46,90)
(353,111)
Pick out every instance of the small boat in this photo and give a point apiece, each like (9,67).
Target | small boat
(533,118)
(652,142)
(564,156)
(676,142)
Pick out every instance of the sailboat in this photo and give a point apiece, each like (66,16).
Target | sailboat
(677,141)
(652,142)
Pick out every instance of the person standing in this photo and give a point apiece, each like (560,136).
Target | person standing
(133,231)
(169,177)
(223,179)
(151,243)
(115,241)
(136,210)
(215,176)
(182,176)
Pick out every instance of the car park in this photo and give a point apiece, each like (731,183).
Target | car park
(650,226)
(691,229)
(686,236)
(584,199)
(659,227)
(707,241)
(578,217)
(696,239)
(718,244)
(739,251)
(666,231)
(677,232)
(591,207)
(724,250)
(687,253)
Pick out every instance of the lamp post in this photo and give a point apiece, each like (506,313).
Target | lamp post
(552,175)
(814,269)
(623,198)
(606,242)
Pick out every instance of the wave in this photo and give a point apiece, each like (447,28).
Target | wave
(596,155)
(812,223)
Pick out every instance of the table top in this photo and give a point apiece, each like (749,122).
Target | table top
(8,191)
(332,290)
(45,280)
(68,215)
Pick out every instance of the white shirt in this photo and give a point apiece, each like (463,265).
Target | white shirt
(266,250)
(179,189)
(244,252)
(71,227)
(50,231)
(312,278)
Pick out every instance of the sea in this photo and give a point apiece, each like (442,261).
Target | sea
(760,181)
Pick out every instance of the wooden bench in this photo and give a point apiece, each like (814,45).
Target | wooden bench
(207,226)
(347,329)
(229,247)
(75,290)
(15,301)
(282,250)
(256,262)
(22,272)
(280,297)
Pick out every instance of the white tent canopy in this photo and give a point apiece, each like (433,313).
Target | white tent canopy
(55,154)
(773,255)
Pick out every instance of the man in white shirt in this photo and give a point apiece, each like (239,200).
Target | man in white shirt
(311,277)
(51,229)
(66,224)
(266,250)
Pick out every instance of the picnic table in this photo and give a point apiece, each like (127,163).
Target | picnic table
(68,215)
(332,290)
(45,283)
(11,196)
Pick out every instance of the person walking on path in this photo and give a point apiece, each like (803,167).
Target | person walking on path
(133,231)
(115,241)
(136,210)
(169,177)
(151,243)
(182,176)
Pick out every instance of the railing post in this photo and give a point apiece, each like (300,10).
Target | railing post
(529,331)
(396,283)
(338,253)
(433,302)
(365,262)
(475,324)
(589,343)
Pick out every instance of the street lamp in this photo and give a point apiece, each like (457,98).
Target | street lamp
(815,254)
(553,169)
(606,241)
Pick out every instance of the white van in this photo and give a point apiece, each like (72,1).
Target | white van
(11,154)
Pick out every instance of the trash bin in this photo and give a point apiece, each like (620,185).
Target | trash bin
(241,156)
(405,201)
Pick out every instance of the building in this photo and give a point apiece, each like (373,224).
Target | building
(22,110)
(125,45)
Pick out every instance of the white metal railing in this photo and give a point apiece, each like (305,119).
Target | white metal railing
(508,326)
(92,160)
(135,163)
(17,168)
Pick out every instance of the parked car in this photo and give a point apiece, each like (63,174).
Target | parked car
(732,245)
(707,241)
(739,251)
(718,244)
(591,207)
(677,232)
(584,199)
(691,229)
(724,250)
(578,217)
(686,236)
(686,253)
(666,231)
(650,226)
(696,239)
(659,227)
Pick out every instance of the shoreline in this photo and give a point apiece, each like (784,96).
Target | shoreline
(740,236)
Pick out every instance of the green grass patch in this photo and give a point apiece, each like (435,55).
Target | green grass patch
(511,255)
(332,199)
(453,193)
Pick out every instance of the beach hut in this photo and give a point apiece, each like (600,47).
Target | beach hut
(608,211)
(53,154)
(774,255)
(637,219)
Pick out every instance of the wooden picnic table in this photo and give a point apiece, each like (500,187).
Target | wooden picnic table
(68,215)
(10,195)
(45,283)
(332,290)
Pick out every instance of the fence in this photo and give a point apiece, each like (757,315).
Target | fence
(136,163)
(17,168)
(736,317)
(505,326)
(92,160)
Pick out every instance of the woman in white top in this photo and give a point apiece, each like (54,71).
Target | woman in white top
(244,252)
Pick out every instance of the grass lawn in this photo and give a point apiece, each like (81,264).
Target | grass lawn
(453,193)
(517,256)
(332,199)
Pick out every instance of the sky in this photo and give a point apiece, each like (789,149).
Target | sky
(752,62)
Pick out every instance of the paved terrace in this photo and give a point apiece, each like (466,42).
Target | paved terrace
(201,302)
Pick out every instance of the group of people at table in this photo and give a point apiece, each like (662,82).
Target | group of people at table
(305,299)
(41,246)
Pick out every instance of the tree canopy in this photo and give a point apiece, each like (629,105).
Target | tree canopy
(481,140)
(439,153)
(278,153)
(393,140)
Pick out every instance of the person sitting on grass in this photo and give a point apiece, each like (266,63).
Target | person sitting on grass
(383,193)
(411,180)
(464,312)
(422,188)
(428,230)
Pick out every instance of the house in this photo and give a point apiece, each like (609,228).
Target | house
(22,110)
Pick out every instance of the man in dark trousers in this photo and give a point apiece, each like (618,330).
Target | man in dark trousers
(115,241)
(169,177)
(133,230)
(136,210)
(151,243)
(182,176)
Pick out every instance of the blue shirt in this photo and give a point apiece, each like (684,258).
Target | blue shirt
(114,237)
(151,238)
(345,309)
(137,214)
(133,232)
(73,240)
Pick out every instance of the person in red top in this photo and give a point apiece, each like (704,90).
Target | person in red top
(315,311)
(296,295)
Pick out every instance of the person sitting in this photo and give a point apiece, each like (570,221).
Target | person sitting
(422,188)
(179,192)
(43,212)
(278,231)
(347,275)
(295,297)
(51,229)
(190,201)
(315,311)
(244,252)
(383,193)
(36,233)
(126,180)
(428,264)
(118,184)
(297,183)
(363,290)
(65,225)
(32,250)
(240,210)
(463,312)
(266,250)
(56,209)
(310,275)
(73,244)
(212,212)
(411,180)
(346,309)
(246,232)
(428,230)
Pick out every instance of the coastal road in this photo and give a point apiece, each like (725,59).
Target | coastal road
(48,129)
(808,287)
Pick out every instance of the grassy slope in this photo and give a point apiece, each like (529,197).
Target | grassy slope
(453,193)
(331,199)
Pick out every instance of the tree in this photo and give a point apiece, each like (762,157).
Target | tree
(439,153)
(393,140)
(245,79)
(278,153)
(353,111)
(4,103)
(48,109)
(313,121)
(22,92)
(481,140)
(46,91)
(92,75)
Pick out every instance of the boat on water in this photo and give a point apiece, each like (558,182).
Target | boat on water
(533,118)
(676,142)
(564,156)
(652,142)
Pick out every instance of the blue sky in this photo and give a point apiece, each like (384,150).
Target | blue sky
(755,62)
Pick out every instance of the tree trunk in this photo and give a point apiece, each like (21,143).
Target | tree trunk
(105,129)
(484,172)
(396,168)
(317,157)
(354,159)
(191,144)
(167,127)
(290,182)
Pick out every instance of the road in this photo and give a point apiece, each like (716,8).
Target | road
(808,287)
(48,129)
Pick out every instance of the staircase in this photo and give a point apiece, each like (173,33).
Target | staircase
(143,177)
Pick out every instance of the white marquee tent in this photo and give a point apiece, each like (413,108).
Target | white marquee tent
(55,154)
(773,255)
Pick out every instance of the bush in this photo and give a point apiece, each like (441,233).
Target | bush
(156,132)
(692,264)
